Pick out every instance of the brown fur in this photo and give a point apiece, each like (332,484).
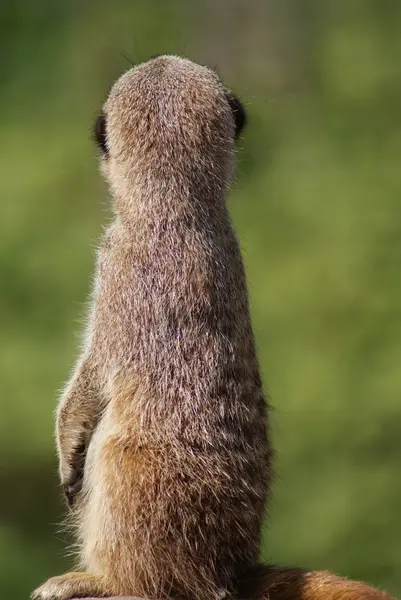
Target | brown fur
(298,584)
(166,405)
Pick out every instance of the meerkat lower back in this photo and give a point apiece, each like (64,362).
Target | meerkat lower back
(177,468)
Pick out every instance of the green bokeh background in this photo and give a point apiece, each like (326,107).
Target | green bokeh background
(317,208)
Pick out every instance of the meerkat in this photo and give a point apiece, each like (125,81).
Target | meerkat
(162,430)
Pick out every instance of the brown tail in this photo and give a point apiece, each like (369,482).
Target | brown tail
(281,583)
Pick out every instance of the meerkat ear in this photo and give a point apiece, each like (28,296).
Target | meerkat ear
(238,112)
(99,133)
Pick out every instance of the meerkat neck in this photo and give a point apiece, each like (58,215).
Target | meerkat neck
(168,201)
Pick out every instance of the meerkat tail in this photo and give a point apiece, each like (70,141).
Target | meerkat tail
(287,583)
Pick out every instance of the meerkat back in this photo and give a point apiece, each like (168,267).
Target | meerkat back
(178,468)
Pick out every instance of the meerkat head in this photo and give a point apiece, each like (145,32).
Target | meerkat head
(168,120)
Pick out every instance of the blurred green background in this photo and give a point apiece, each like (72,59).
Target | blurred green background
(317,207)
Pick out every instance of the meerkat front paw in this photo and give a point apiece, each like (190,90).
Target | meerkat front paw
(72,486)
(71,474)
(72,585)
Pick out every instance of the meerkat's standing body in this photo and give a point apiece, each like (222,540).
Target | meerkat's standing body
(164,421)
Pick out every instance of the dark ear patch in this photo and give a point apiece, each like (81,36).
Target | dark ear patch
(99,133)
(238,112)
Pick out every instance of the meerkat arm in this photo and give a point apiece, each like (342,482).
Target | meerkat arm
(77,415)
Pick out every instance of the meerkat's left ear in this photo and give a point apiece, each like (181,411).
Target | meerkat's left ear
(99,134)
(238,112)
